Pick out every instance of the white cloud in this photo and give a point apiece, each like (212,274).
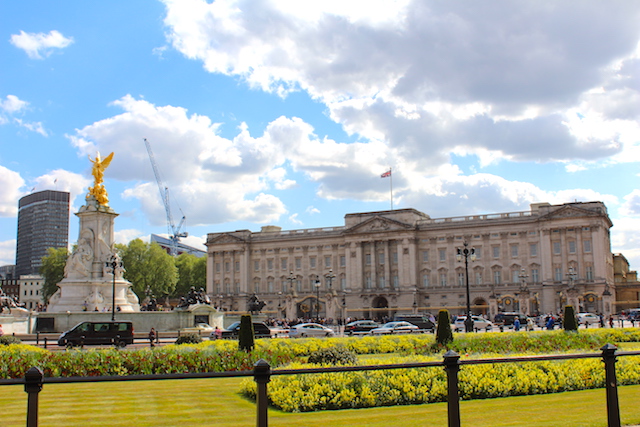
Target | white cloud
(36,127)
(12,190)
(7,252)
(12,104)
(213,178)
(40,45)
(631,205)
(312,210)
(294,219)
(500,82)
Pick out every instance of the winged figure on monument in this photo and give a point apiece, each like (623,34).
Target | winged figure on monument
(98,190)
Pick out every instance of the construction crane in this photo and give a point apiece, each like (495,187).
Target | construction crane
(174,231)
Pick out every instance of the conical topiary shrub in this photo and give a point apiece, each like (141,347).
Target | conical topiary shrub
(444,334)
(245,335)
(569,321)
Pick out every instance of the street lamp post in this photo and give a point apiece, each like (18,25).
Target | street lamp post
(291,278)
(113,265)
(467,253)
(317,285)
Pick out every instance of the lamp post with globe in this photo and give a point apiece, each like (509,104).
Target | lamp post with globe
(466,253)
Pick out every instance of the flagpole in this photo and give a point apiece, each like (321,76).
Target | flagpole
(391,187)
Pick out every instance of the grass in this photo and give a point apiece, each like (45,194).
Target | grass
(206,402)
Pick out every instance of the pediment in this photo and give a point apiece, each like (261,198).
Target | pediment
(570,212)
(224,238)
(379,224)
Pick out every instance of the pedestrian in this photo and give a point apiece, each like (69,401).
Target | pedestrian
(152,337)
(1,332)
(601,319)
(611,321)
(217,333)
(516,324)
(550,323)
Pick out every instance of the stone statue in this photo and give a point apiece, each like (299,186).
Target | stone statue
(98,191)
(254,305)
(79,264)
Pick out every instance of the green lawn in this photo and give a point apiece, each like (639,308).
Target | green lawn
(209,402)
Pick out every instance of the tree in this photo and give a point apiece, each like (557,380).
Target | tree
(148,265)
(569,321)
(192,271)
(444,335)
(52,270)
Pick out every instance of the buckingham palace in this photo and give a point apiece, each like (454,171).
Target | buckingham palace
(379,264)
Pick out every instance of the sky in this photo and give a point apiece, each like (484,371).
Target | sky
(287,113)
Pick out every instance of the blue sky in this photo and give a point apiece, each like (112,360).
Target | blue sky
(287,112)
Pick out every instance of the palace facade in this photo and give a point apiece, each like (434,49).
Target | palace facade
(403,261)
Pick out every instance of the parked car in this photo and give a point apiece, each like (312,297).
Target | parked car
(360,326)
(95,333)
(395,328)
(260,330)
(200,329)
(310,330)
(420,320)
(478,323)
(506,319)
(588,318)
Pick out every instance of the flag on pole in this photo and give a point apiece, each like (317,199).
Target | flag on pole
(387,174)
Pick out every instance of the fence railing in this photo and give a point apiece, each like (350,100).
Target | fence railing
(34,380)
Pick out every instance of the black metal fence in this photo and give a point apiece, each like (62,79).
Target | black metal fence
(262,373)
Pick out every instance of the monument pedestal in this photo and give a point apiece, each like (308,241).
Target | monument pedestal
(92,267)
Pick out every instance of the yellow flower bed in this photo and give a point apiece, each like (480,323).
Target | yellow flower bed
(313,392)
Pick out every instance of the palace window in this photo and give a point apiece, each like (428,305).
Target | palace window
(587,245)
(514,251)
(589,273)
(425,256)
(533,249)
(535,275)
(497,277)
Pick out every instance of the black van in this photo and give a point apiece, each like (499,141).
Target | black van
(116,333)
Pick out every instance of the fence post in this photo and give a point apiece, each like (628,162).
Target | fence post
(33,385)
(262,375)
(452,366)
(611,384)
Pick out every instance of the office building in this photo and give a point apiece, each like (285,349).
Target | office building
(43,222)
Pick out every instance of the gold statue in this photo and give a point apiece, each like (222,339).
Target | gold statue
(98,190)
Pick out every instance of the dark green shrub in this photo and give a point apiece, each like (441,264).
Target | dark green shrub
(570,323)
(189,339)
(9,339)
(245,334)
(444,335)
(333,356)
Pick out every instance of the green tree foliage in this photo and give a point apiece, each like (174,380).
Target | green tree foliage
(52,270)
(148,265)
(245,335)
(569,321)
(191,272)
(443,334)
